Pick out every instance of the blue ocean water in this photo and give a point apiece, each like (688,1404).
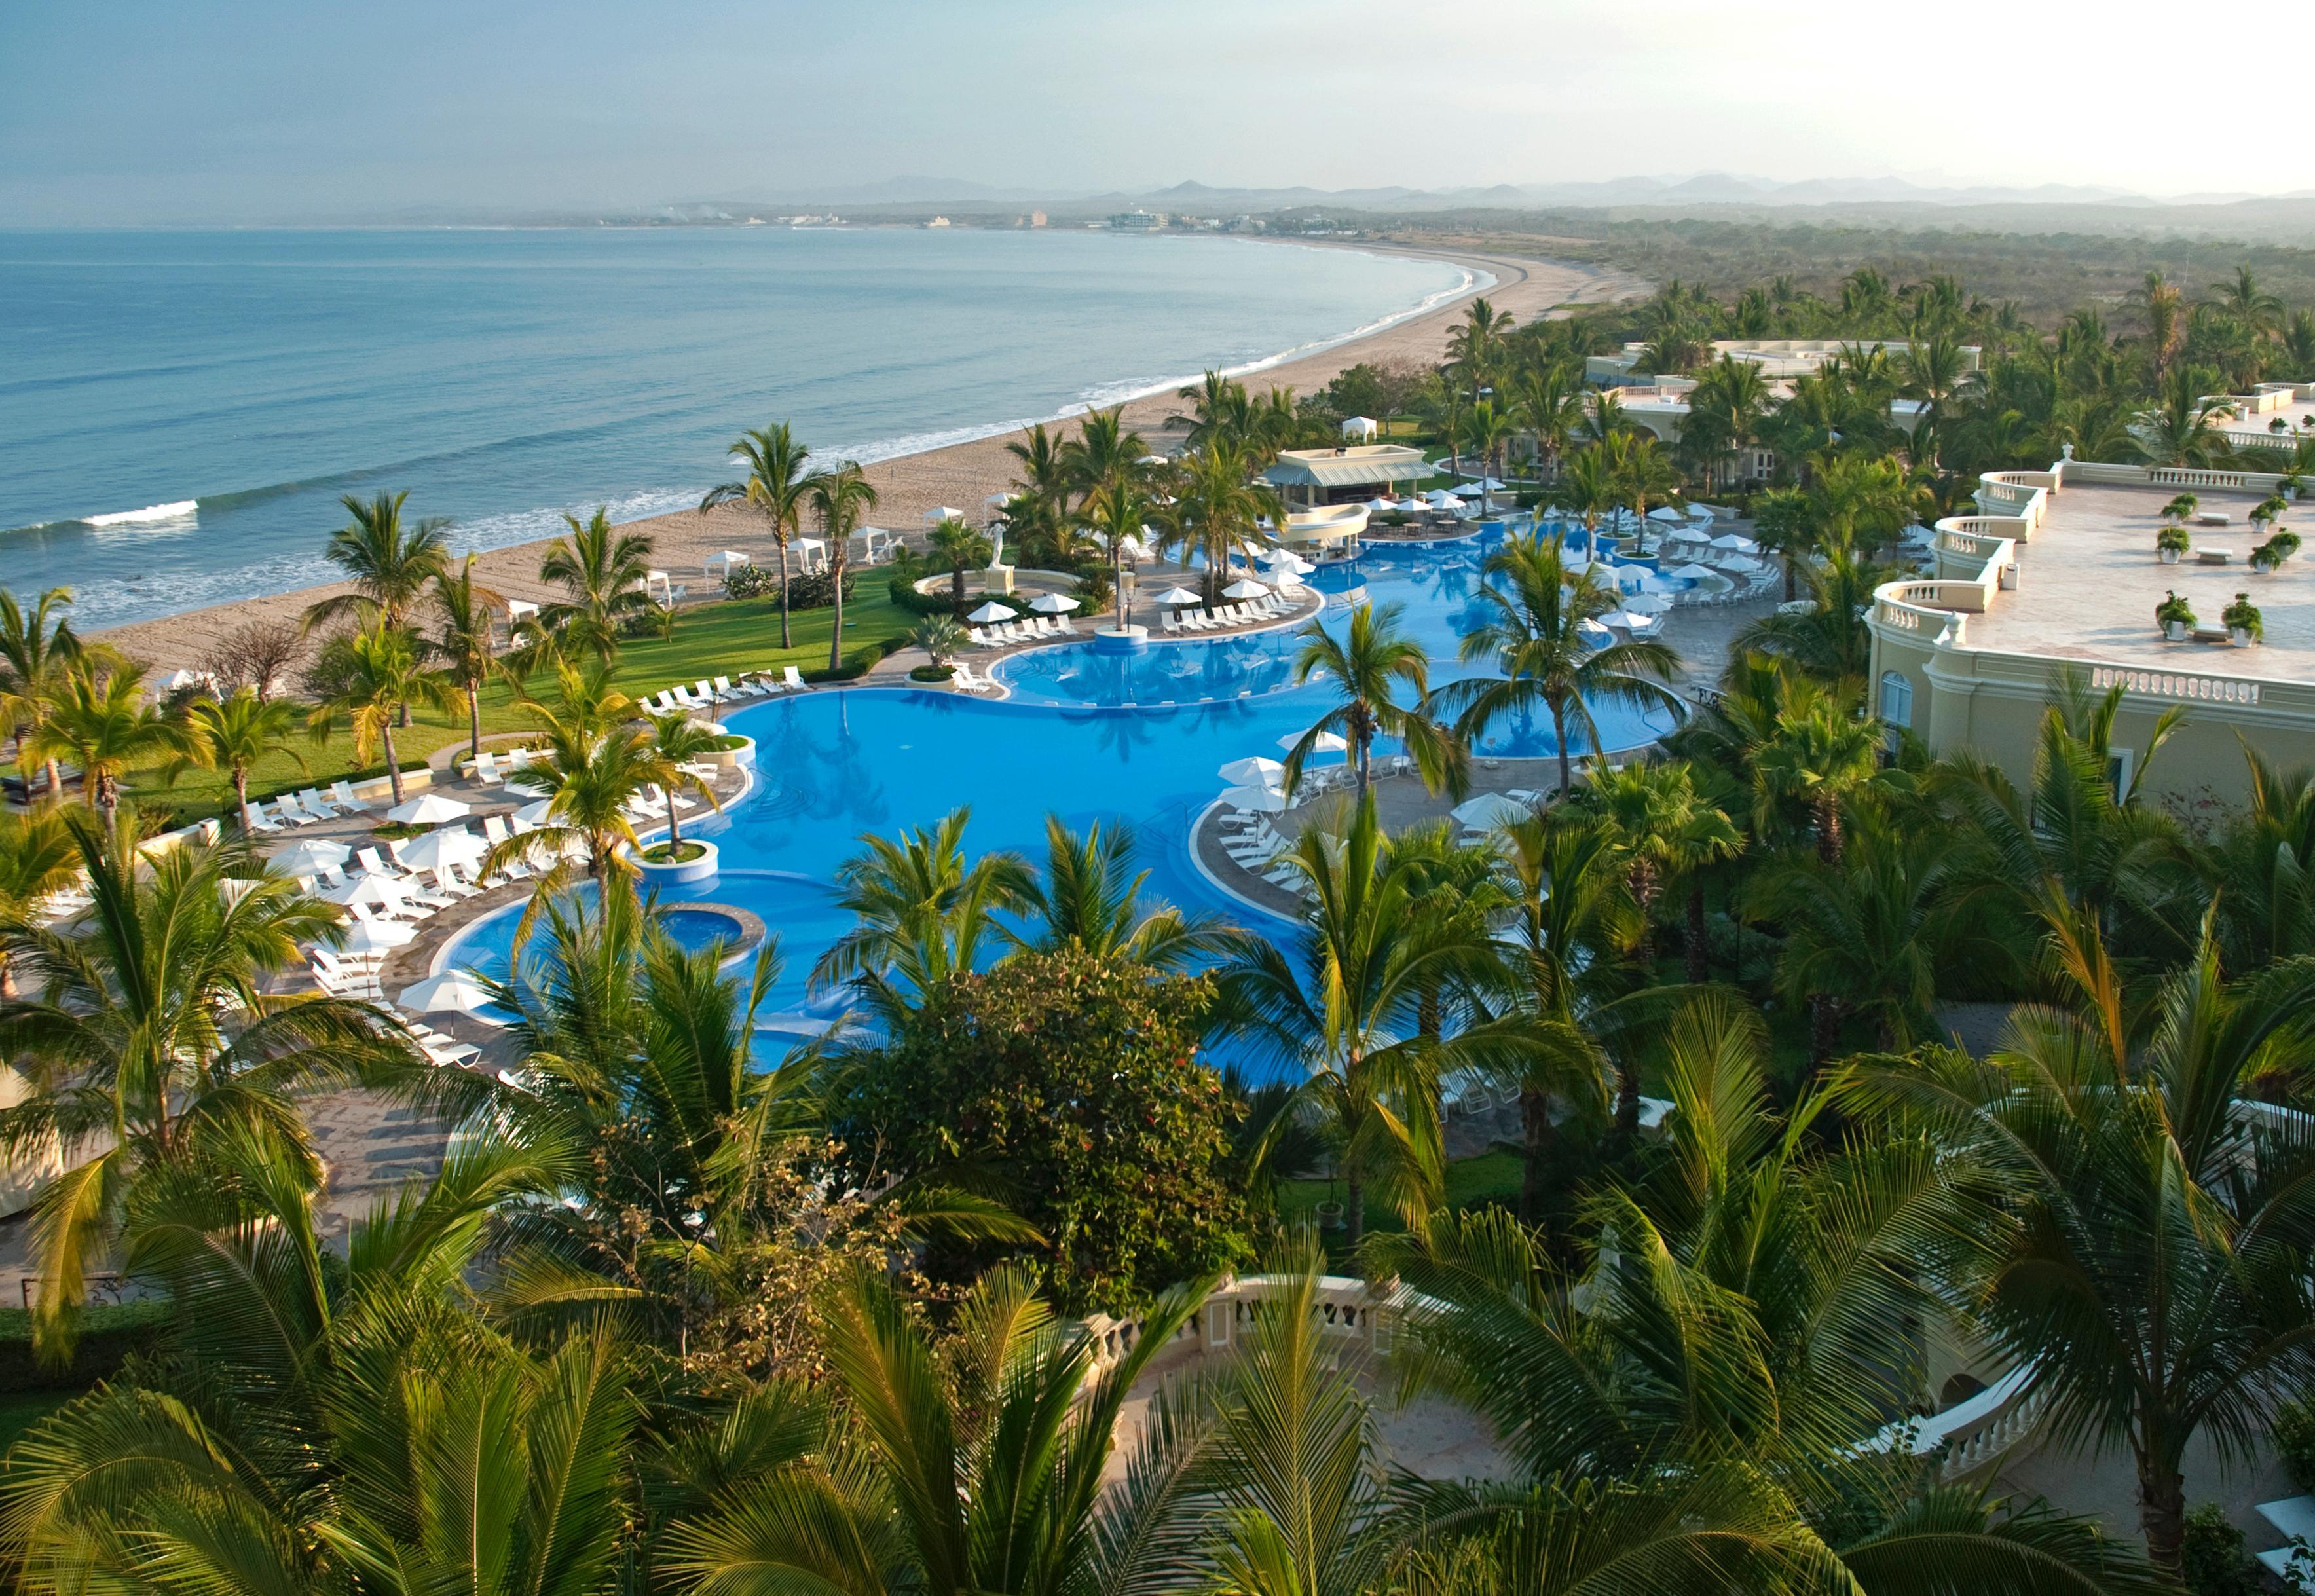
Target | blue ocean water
(180,412)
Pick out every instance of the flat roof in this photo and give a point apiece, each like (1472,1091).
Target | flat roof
(1350,467)
(2088,582)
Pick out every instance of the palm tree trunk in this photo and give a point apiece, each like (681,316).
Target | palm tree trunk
(474,719)
(786,642)
(2162,1512)
(1828,830)
(836,636)
(1699,949)
(393,765)
(1559,735)
(1539,1139)
(1824,1030)
(1366,765)
(1792,591)
(1627,1098)
(1354,1207)
(956,592)
(241,797)
(56,781)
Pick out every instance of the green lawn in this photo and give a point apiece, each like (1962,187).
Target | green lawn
(1492,1178)
(721,639)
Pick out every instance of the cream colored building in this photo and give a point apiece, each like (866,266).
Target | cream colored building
(2059,572)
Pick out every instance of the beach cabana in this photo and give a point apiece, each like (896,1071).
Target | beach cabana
(943,512)
(812,555)
(1361,428)
(723,563)
(519,610)
(1312,477)
(656,585)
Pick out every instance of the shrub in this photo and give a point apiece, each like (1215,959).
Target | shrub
(1074,1080)
(751,581)
(905,597)
(2276,549)
(2244,614)
(2174,608)
(2295,1439)
(859,662)
(818,590)
(932,673)
(109,1336)
(1094,589)
(2171,540)
(2212,1561)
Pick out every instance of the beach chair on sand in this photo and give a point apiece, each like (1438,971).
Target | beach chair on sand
(342,795)
(792,679)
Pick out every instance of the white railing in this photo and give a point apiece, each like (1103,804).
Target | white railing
(1973,1433)
(1347,1309)
(2187,687)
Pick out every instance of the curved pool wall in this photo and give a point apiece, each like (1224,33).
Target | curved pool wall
(834,765)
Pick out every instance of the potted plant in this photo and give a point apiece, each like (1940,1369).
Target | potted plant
(2265,511)
(2180,508)
(2176,616)
(2279,546)
(2243,621)
(2170,542)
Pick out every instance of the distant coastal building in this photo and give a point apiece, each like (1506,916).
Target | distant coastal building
(1780,360)
(2057,576)
(1137,221)
(1037,219)
(938,221)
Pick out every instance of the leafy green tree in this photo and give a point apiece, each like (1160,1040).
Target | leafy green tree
(37,647)
(235,736)
(1069,1082)
(677,744)
(597,762)
(1670,831)
(1823,761)
(924,915)
(1092,898)
(776,487)
(379,677)
(1369,664)
(99,717)
(1218,505)
(1116,509)
(467,645)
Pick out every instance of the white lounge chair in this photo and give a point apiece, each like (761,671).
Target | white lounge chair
(259,821)
(313,802)
(342,795)
(1067,625)
(286,806)
(792,679)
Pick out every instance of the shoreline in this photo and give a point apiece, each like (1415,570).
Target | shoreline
(961,474)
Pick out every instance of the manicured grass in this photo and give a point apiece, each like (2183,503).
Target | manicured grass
(1492,1178)
(722,638)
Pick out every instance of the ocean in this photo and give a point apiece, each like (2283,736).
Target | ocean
(180,412)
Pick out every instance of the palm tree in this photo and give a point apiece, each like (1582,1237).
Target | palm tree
(1044,468)
(961,548)
(1670,831)
(387,567)
(235,736)
(1104,453)
(1822,758)
(924,914)
(2248,303)
(598,762)
(1642,473)
(152,1038)
(1117,509)
(2151,1274)
(2178,429)
(101,719)
(1783,523)
(1218,505)
(1489,428)
(1370,661)
(1587,487)
(1091,897)
(1551,406)
(381,678)
(1535,609)
(1219,412)
(602,573)
(36,647)
(1342,998)
(677,743)
(778,483)
(840,499)
(1732,396)
(466,646)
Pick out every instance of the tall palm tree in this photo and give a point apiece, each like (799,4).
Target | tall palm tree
(597,762)
(1821,759)
(1341,1000)
(465,644)
(1730,398)
(101,719)
(1489,430)
(151,1036)
(388,565)
(235,736)
(776,487)
(1220,412)
(382,678)
(1643,474)
(1091,897)
(1218,505)
(924,914)
(1551,406)
(36,647)
(1535,608)
(2151,1274)
(1371,662)
(961,548)
(840,499)
(1044,468)
(1587,487)
(1669,830)
(1116,509)
(677,743)
(602,573)
(1104,452)
(2178,428)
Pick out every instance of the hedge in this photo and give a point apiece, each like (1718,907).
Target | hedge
(816,591)
(109,1334)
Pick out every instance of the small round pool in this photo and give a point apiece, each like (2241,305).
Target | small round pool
(696,926)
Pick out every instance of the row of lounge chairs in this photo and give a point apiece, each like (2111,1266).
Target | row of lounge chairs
(357,979)
(1035,629)
(707,695)
(1268,608)
(1267,851)
(307,808)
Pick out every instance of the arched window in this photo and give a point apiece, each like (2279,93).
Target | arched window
(1896,699)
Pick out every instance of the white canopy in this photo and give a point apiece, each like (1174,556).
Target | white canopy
(518,608)
(534,814)
(1695,572)
(1359,426)
(730,560)
(1647,604)
(991,611)
(1052,604)
(1259,800)
(1700,512)
(1629,620)
(429,809)
(1381,506)
(1178,595)
(178,679)
(454,992)
(304,858)
(1252,773)
(1441,496)
(375,936)
(942,512)
(1131,546)
(1410,507)
(1244,590)
(1490,809)
(457,846)
(1490,483)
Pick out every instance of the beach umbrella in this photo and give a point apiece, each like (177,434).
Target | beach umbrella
(1381,506)
(991,611)
(1666,512)
(1695,572)
(1490,809)
(1178,596)
(1325,742)
(942,512)
(376,936)
(1743,564)
(310,857)
(177,679)
(1258,799)
(429,809)
(1052,604)
(1736,541)
(1441,496)
(534,814)
(998,499)
(438,849)
(368,887)
(1596,630)
(1252,773)
(454,992)
(1410,507)
(1647,604)
(1244,590)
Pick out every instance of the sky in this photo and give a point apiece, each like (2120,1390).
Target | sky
(239,111)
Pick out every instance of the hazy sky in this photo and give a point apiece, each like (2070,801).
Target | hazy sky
(135,110)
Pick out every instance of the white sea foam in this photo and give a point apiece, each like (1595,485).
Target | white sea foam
(183,509)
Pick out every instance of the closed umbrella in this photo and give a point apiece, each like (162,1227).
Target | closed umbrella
(1490,809)
(454,992)
(1259,800)
(429,809)
(310,858)
(1252,773)
(991,611)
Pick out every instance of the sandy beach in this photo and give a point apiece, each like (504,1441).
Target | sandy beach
(962,476)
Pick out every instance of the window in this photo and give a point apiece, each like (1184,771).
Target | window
(1896,699)
(2118,763)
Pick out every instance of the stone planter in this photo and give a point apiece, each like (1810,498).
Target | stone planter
(683,872)
(731,759)
(2167,556)
(2262,567)
(2240,636)
(2176,631)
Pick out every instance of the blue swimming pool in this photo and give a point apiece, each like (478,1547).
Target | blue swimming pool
(832,765)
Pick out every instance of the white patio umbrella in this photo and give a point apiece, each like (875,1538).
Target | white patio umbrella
(438,849)
(375,936)
(1743,564)
(1380,505)
(534,814)
(1700,512)
(304,858)
(1490,809)
(1252,773)
(368,887)
(1735,542)
(998,499)
(429,809)
(176,680)
(1666,512)
(1410,507)
(1256,800)
(942,512)
(991,611)
(1325,742)
(1647,604)
(454,992)
(1441,496)
(1052,604)
(1244,590)
(1694,573)
(1178,596)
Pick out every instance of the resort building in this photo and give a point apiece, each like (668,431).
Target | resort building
(1780,360)
(2058,577)
(1137,221)
(2272,416)
(1311,478)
